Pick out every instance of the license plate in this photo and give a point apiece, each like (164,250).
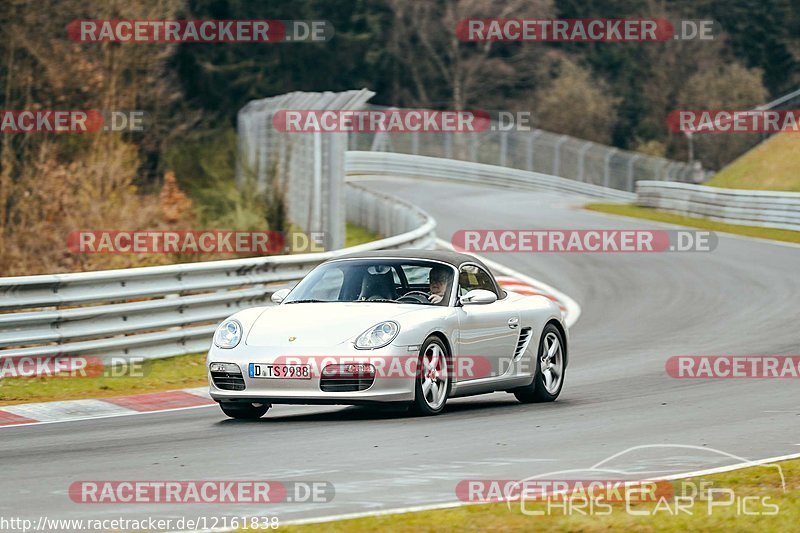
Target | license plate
(279,371)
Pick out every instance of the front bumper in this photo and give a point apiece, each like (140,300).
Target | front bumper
(387,387)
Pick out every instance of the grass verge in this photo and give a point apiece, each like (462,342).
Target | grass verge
(772,165)
(760,484)
(156,375)
(695,222)
(355,235)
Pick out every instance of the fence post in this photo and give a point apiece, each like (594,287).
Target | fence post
(664,165)
(607,166)
(557,155)
(315,222)
(503,148)
(333,216)
(631,161)
(448,144)
(473,147)
(529,155)
(380,141)
(581,161)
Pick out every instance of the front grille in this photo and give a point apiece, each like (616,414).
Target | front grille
(522,342)
(345,384)
(228,380)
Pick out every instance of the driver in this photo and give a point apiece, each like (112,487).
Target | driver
(438,284)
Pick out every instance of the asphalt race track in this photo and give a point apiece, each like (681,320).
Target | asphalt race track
(637,310)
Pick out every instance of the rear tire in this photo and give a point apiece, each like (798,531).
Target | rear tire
(243,410)
(551,362)
(432,382)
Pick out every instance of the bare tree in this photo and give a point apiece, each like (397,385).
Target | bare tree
(445,70)
(51,184)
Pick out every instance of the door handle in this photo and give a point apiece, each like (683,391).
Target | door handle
(513,322)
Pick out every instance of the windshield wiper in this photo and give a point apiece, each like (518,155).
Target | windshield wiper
(307,301)
(377,300)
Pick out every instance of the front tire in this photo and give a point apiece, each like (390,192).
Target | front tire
(243,410)
(432,382)
(551,362)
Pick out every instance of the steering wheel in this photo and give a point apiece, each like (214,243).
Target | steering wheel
(417,296)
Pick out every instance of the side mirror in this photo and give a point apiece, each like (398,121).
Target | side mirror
(279,296)
(478,297)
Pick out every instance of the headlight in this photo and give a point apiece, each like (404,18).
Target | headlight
(228,334)
(378,336)
(225,367)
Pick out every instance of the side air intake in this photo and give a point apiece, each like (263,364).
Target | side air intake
(522,343)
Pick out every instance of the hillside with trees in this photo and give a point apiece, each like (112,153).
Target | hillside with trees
(614,93)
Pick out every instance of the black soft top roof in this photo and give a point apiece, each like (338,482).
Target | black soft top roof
(454,258)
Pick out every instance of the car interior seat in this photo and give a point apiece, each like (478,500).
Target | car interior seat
(378,286)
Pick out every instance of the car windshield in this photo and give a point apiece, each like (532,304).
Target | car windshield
(377,280)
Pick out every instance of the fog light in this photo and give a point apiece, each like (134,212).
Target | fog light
(225,367)
(349,370)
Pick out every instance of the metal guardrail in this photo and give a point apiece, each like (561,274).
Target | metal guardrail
(535,150)
(435,168)
(754,208)
(171,310)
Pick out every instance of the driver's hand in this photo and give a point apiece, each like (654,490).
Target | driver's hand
(435,298)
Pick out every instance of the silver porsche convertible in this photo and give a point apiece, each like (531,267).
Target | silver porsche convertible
(403,328)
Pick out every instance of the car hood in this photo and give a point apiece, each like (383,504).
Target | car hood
(321,324)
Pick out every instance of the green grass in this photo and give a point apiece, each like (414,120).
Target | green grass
(759,482)
(156,375)
(772,165)
(355,235)
(694,222)
(205,167)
